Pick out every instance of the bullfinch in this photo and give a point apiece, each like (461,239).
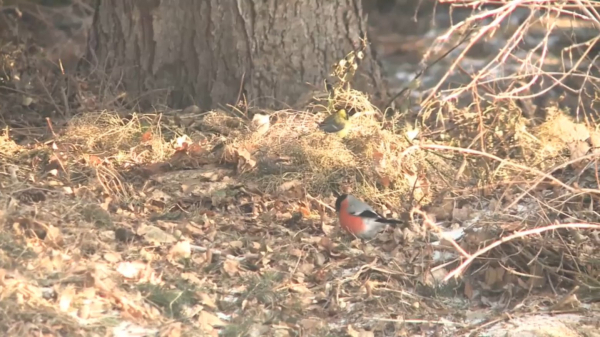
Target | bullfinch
(337,123)
(359,218)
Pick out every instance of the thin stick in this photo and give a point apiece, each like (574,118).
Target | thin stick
(465,264)
(417,321)
(509,163)
(441,233)
(319,202)
(420,73)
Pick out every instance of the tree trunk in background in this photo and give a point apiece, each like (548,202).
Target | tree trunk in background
(199,51)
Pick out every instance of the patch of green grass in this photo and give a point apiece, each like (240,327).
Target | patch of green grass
(12,250)
(22,320)
(170,301)
(262,289)
(239,329)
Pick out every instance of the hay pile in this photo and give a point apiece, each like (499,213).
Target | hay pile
(369,162)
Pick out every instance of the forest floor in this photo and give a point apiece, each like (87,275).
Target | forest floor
(189,223)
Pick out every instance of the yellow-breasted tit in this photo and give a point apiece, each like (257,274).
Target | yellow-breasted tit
(337,123)
(359,218)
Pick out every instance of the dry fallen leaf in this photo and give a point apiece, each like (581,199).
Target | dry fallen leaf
(436,277)
(300,288)
(66,297)
(171,330)
(359,332)
(236,244)
(306,268)
(328,229)
(494,205)
(369,287)
(384,181)
(146,136)
(192,278)
(462,214)
(231,267)
(113,257)
(180,250)
(288,185)
(537,278)
(182,142)
(255,246)
(260,124)
(411,134)
(305,211)
(512,226)
(196,150)
(207,300)
(93,160)
(84,311)
(490,277)
(245,162)
(54,236)
(312,324)
(468,291)
(155,235)
(379,158)
(418,182)
(208,321)
(26,100)
(579,149)
(296,252)
(131,270)
(326,243)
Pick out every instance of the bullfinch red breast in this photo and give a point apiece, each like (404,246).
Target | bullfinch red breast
(359,218)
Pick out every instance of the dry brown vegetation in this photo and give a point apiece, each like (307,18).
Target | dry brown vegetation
(189,223)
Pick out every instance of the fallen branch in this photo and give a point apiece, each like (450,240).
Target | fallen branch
(456,272)
(509,163)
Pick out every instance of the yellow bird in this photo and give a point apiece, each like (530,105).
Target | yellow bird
(337,123)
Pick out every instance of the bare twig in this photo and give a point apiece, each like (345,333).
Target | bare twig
(509,163)
(441,233)
(456,272)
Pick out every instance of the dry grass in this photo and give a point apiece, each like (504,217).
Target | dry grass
(204,223)
(367,162)
(254,252)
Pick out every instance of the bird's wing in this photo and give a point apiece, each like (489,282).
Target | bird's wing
(389,221)
(331,126)
(367,214)
(359,208)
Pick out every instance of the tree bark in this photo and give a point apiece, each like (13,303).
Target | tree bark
(205,52)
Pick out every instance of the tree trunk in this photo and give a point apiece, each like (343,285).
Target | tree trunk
(205,52)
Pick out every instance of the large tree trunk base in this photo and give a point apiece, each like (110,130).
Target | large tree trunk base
(213,52)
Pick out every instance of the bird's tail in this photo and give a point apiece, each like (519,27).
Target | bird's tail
(390,221)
